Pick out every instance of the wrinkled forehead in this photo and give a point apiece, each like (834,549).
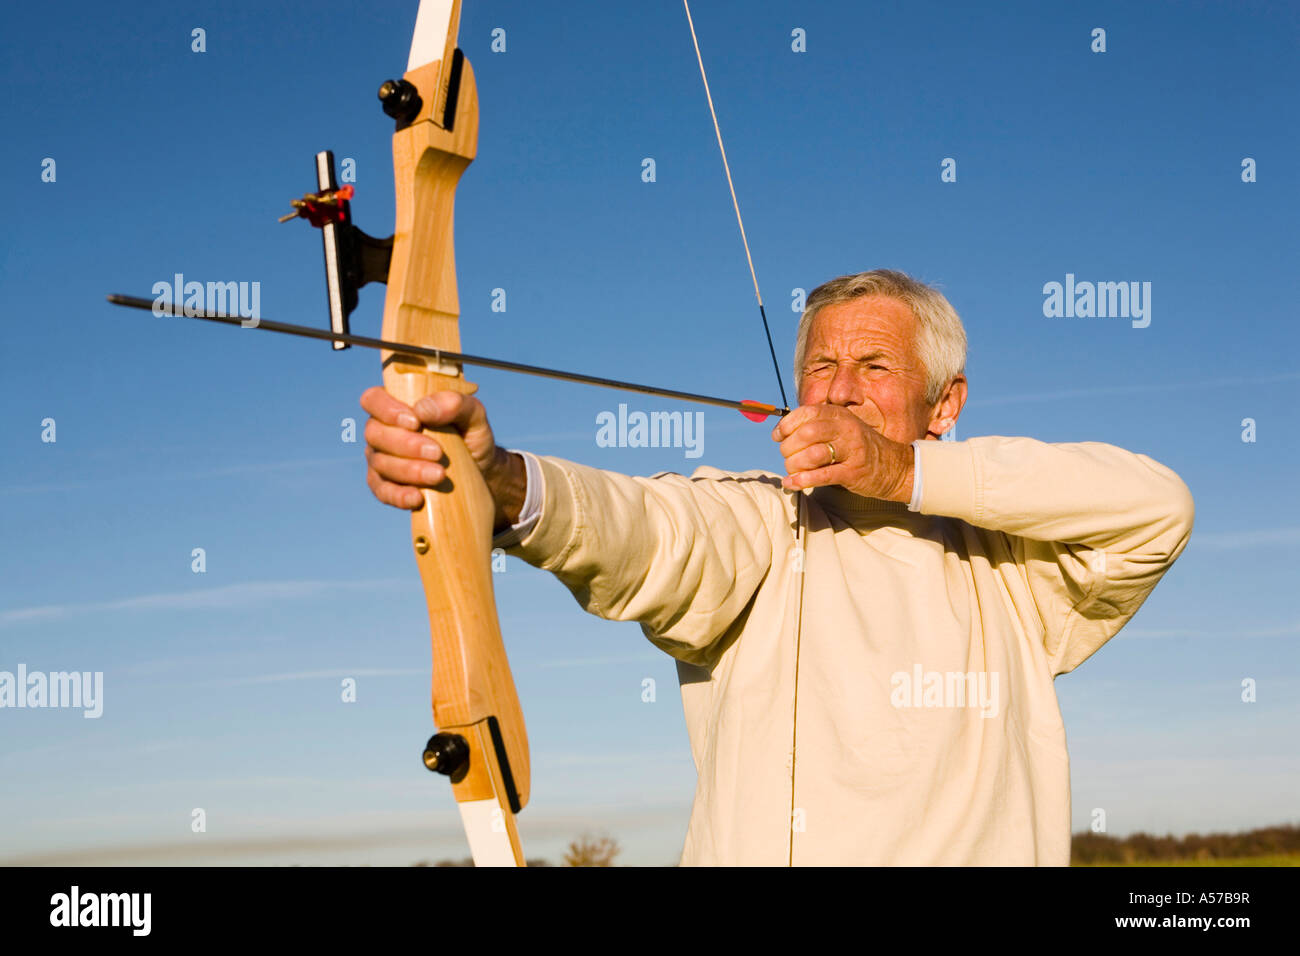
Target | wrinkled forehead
(875,322)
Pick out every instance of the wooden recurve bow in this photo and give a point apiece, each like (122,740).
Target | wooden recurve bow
(481,742)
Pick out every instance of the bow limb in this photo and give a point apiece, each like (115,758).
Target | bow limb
(482,744)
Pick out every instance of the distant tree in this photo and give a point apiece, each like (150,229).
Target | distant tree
(468,861)
(589,850)
(1090,847)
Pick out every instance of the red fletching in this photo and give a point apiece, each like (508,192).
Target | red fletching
(760,411)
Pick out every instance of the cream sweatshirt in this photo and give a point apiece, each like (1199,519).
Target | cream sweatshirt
(878,689)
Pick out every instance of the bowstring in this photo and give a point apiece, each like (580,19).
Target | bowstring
(800,542)
(776,366)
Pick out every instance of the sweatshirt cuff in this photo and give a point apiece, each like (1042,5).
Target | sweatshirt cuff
(917,482)
(531,512)
(951,482)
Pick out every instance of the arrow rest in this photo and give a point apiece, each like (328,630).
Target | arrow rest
(352,258)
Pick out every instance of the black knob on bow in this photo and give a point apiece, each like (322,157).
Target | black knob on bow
(401,100)
(446,753)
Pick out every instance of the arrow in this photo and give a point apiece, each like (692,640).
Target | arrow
(754,411)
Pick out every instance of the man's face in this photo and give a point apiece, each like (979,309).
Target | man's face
(862,355)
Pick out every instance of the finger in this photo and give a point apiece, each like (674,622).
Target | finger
(815,478)
(816,433)
(388,409)
(440,409)
(812,457)
(398,496)
(395,440)
(805,415)
(406,471)
(465,415)
(790,423)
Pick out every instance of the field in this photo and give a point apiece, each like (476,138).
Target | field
(1276,859)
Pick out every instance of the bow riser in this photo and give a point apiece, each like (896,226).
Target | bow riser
(473,692)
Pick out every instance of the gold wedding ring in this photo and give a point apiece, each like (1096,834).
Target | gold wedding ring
(832,448)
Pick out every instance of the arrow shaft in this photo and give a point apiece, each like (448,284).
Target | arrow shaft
(442,355)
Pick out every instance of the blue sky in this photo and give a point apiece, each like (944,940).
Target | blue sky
(222,688)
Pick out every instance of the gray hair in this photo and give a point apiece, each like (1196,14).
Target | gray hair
(940,337)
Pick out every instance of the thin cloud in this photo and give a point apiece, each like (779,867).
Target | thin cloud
(323,675)
(300,464)
(1231,540)
(1062,394)
(436,834)
(1284,630)
(228,597)
(599,661)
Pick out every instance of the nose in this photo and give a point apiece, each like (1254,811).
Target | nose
(843,389)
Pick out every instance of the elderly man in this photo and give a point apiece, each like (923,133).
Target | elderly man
(866,646)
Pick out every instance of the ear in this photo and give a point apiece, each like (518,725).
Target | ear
(948,409)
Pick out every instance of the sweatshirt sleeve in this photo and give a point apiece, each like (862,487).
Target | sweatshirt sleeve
(1093,527)
(682,556)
